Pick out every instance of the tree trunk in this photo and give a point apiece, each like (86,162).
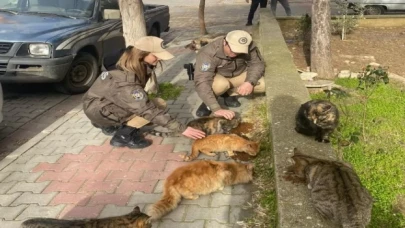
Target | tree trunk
(133,20)
(321,59)
(203,29)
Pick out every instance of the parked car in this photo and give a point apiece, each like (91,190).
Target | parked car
(64,42)
(377,7)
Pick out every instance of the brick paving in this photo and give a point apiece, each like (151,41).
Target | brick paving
(29,111)
(69,170)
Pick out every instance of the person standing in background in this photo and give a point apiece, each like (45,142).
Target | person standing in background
(284,3)
(253,7)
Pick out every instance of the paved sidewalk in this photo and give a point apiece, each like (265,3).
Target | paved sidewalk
(29,111)
(69,170)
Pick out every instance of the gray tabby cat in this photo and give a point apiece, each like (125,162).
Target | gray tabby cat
(317,117)
(336,191)
(135,219)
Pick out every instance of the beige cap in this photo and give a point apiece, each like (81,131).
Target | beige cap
(153,45)
(239,41)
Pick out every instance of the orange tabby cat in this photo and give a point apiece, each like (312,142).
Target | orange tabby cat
(222,142)
(199,178)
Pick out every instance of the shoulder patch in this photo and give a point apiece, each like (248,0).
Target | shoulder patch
(205,66)
(104,75)
(138,94)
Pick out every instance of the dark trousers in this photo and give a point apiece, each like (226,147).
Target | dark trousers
(284,3)
(253,7)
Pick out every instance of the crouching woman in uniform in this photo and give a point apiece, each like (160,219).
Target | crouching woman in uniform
(118,104)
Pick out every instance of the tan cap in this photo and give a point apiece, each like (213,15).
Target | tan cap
(239,41)
(153,45)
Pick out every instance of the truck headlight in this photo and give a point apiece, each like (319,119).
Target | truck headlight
(39,49)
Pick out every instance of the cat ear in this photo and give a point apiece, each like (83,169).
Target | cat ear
(137,210)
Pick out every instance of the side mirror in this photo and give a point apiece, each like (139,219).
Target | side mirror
(111,14)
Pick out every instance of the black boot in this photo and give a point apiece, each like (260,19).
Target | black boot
(109,130)
(203,110)
(230,101)
(129,137)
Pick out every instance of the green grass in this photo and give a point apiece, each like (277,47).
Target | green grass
(379,157)
(264,197)
(168,91)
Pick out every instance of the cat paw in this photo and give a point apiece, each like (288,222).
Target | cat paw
(184,157)
(193,197)
(325,140)
(196,197)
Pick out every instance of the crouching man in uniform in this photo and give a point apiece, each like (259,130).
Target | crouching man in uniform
(229,67)
(118,104)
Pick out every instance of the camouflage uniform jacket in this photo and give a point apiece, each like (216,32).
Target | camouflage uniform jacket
(211,60)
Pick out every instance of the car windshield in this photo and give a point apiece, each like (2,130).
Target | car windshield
(64,8)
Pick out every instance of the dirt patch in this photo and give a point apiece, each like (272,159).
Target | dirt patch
(399,206)
(384,45)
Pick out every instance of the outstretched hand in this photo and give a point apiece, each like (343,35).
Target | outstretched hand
(193,133)
(228,114)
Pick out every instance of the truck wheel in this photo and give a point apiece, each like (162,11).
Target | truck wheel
(81,75)
(154,31)
(374,10)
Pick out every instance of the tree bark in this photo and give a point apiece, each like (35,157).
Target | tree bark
(133,20)
(321,59)
(201,9)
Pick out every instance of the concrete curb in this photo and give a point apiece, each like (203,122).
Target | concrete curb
(285,92)
(35,140)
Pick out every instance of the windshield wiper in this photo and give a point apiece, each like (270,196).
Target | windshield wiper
(52,14)
(8,11)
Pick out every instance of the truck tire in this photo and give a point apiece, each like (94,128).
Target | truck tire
(374,10)
(154,31)
(81,75)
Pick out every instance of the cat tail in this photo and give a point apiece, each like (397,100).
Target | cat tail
(169,201)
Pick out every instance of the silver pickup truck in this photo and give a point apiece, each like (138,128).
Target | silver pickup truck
(377,7)
(64,42)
